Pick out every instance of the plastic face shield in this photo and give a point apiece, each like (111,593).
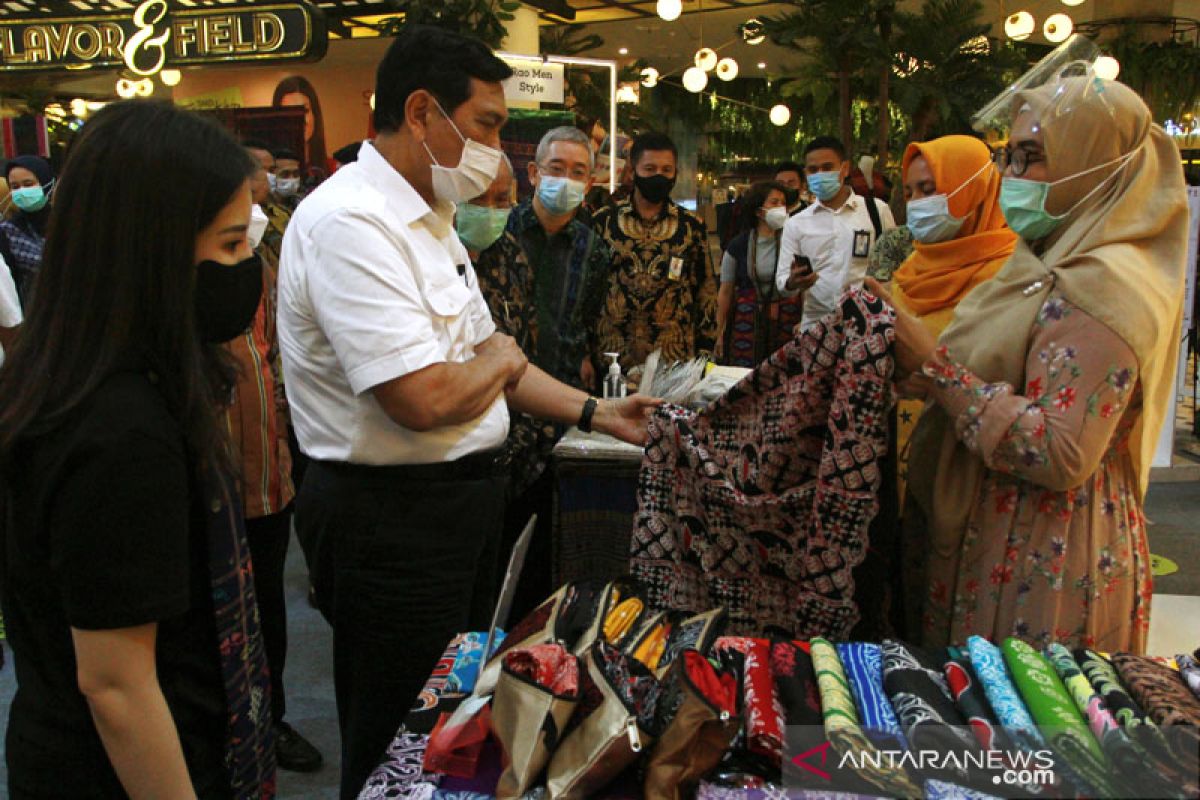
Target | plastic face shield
(1069,69)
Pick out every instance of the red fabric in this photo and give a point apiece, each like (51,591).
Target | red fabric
(760,702)
(720,690)
(549,666)
(455,751)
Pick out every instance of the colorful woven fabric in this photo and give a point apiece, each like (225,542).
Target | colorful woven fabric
(940,790)
(400,776)
(1189,668)
(863,664)
(988,663)
(1060,722)
(760,703)
(972,702)
(1167,699)
(842,722)
(761,502)
(917,689)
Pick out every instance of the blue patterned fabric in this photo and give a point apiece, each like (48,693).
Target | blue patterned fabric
(988,663)
(864,668)
(940,790)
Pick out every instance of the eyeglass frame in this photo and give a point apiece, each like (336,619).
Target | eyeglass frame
(1006,158)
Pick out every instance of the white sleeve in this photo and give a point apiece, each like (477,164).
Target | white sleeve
(369,307)
(10,304)
(789,247)
(887,221)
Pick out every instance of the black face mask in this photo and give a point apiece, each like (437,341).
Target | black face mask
(791,196)
(654,189)
(227,298)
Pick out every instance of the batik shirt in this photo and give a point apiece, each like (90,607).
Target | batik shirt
(569,272)
(662,287)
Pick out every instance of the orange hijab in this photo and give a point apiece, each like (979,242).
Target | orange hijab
(938,276)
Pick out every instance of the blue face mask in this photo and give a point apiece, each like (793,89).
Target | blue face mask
(1023,202)
(30,199)
(930,219)
(825,185)
(559,195)
(478,226)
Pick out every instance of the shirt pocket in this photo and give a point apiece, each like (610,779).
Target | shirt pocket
(449,306)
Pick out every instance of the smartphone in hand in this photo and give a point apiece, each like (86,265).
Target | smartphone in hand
(801,265)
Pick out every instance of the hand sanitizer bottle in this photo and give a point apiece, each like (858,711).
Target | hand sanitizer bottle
(614,383)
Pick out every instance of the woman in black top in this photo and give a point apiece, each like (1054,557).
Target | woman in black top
(126,584)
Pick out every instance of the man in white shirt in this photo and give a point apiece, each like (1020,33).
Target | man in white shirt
(833,236)
(10,309)
(399,386)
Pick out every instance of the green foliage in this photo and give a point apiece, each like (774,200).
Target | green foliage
(483,19)
(1165,74)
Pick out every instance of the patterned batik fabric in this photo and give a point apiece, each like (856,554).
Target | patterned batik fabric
(760,503)
(968,693)
(988,663)
(940,790)
(863,664)
(761,708)
(400,776)
(1189,668)
(1167,699)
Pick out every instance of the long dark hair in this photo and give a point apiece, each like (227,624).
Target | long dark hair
(296,84)
(116,286)
(753,200)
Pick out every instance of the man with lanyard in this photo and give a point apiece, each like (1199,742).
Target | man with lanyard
(398,381)
(662,287)
(825,248)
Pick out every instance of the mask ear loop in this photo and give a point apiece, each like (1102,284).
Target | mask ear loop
(1121,161)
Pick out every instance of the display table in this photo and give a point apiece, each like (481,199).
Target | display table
(595,497)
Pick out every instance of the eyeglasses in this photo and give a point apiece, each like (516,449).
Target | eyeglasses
(559,171)
(1016,160)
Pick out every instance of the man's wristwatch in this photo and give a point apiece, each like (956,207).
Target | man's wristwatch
(585,417)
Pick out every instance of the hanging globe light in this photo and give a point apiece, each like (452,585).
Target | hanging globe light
(670,9)
(1072,2)
(752,31)
(1107,68)
(727,69)
(780,115)
(1020,25)
(170,77)
(1058,27)
(649,77)
(695,79)
(706,59)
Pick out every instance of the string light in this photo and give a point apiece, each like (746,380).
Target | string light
(727,69)
(1107,68)
(171,77)
(780,115)
(1020,25)
(670,10)
(706,59)
(695,79)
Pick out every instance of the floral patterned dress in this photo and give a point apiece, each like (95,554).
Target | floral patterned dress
(1055,549)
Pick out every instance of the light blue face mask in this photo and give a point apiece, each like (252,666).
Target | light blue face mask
(825,185)
(30,199)
(560,195)
(1023,201)
(478,226)
(929,218)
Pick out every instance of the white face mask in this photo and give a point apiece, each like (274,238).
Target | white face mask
(776,217)
(257,226)
(477,168)
(287,187)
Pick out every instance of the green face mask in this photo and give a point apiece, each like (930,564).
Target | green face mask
(1023,202)
(478,226)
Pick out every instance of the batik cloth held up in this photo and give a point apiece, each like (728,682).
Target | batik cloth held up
(760,503)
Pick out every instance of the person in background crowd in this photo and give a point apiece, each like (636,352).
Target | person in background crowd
(834,234)
(752,320)
(287,190)
(399,385)
(10,314)
(126,575)
(889,252)
(662,288)
(1029,467)
(346,155)
(961,240)
(23,235)
(257,424)
(791,175)
(868,181)
(297,91)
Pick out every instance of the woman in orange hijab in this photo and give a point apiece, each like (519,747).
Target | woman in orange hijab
(960,241)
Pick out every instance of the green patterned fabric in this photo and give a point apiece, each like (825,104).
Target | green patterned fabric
(1055,713)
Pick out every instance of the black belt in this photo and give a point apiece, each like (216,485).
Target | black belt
(474,466)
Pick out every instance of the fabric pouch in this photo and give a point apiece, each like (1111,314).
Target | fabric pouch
(457,740)
(615,615)
(536,694)
(648,640)
(697,633)
(697,715)
(544,625)
(614,723)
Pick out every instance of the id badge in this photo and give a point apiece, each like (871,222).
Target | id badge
(862,244)
(675,271)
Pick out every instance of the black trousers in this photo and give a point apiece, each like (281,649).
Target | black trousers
(267,538)
(401,559)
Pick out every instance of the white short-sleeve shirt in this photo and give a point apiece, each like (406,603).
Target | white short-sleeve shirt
(374,285)
(10,304)
(827,238)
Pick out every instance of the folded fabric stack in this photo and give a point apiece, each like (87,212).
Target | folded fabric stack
(595,695)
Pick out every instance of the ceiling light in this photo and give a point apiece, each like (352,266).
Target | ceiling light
(171,77)
(780,115)
(79,107)
(1058,27)
(1107,68)
(624,51)
(706,59)
(649,77)
(627,94)
(752,31)
(670,9)
(1072,2)
(727,69)
(695,79)
(762,65)
(125,88)
(1020,25)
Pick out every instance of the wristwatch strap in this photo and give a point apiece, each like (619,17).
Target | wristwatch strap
(585,417)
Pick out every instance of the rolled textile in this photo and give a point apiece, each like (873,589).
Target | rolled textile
(796,683)
(1061,723)
(920,696)
(863,664)
(972,702)
(401,775)
(1189,668)
(761,709)
(940,790)
(1167,700)
(988,663)
(842,723)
